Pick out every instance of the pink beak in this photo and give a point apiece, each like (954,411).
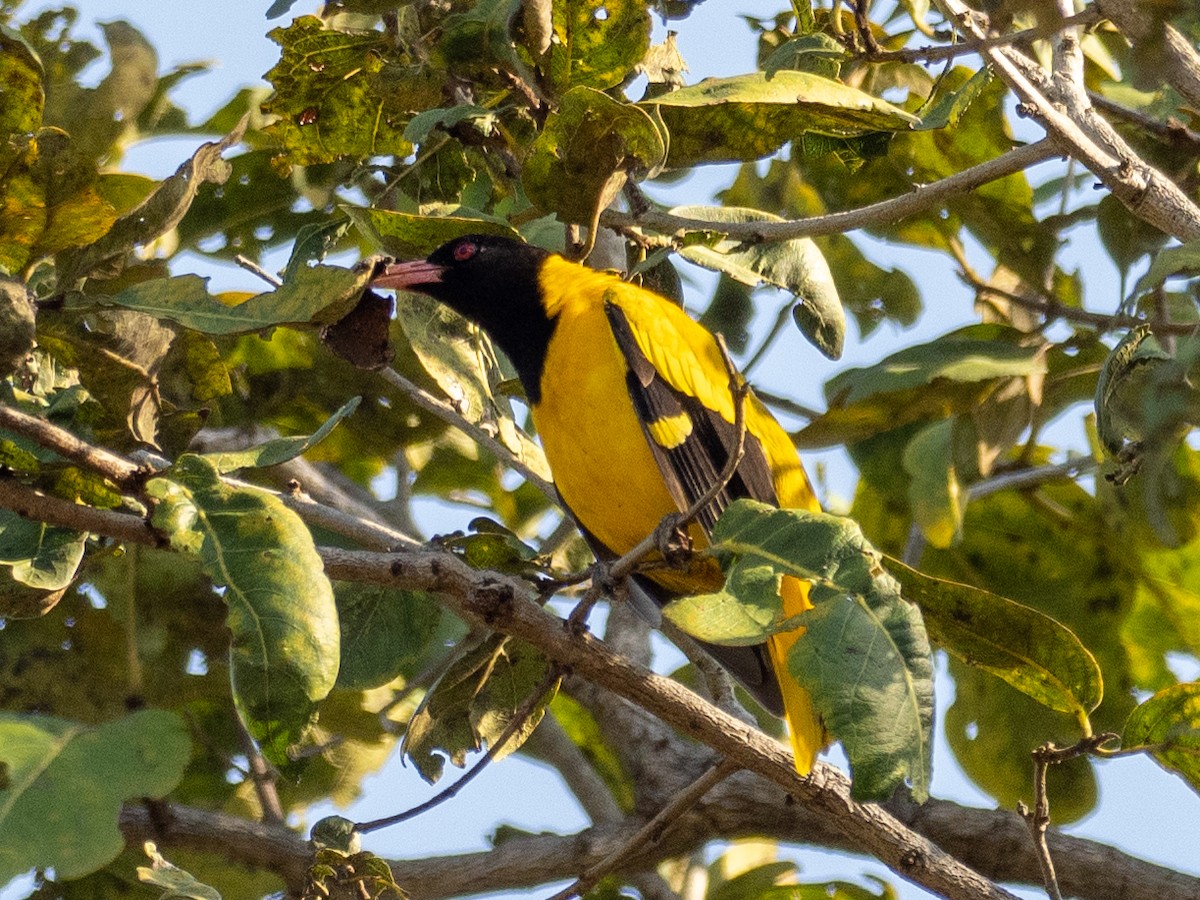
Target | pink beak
(406,275)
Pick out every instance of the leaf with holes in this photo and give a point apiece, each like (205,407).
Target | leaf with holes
(596,44)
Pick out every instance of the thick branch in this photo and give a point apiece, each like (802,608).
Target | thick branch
(1068,119)
(921,198)
(508,606)
(991,840)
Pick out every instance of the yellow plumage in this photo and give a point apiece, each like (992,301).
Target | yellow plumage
(602,464)
(632,401)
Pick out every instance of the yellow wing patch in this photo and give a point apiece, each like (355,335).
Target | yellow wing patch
(670,432)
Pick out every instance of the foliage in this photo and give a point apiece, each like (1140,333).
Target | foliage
(184,663)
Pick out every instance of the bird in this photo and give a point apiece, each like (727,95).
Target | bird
(633,403)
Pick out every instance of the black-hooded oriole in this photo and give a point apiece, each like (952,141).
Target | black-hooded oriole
(632,401)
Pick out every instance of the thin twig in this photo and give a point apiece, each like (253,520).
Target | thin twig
(786,404)
(116,469)
(1038,820)
(1088,16)
(652,831)
(919,199)
(262,776)
(1172,131)
(1023,479)
(445,411)
(255,269)
(520,717)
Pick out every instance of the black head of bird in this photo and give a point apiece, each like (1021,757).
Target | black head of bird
(493,281)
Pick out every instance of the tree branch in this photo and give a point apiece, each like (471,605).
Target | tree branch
(1074,127)
(994,841)
(115,468)
(921,198)
(508,606)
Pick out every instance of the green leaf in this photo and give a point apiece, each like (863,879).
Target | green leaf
(1125,370)
(796,266)
(929,381)
(935,495)
(864,656)
(1031,651)
(1173,262)
(39,555)
(952,104)
(408,235)
(818,53)
(422,125)
(175,882)
(383,632)
(1168,726)
(157,214)
(281,611)
(596,43)
(318,295)
(336,833)
(746,612)
(336,95)
(496,548)
(481,37)
(473,702)
(589,146)
(748,117)
(21,74)
(582,728)
(279,450)
(46,820)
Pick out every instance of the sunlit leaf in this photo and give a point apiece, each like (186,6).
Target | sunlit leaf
(1168,726)
(319,295)
(1026,648)
(596,43)
(751,116)
(336,95)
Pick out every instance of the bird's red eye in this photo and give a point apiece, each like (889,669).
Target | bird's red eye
(465,251)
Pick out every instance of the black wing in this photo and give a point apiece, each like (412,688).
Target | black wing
(692,444)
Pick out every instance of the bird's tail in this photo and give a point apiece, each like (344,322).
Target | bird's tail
(804,724)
